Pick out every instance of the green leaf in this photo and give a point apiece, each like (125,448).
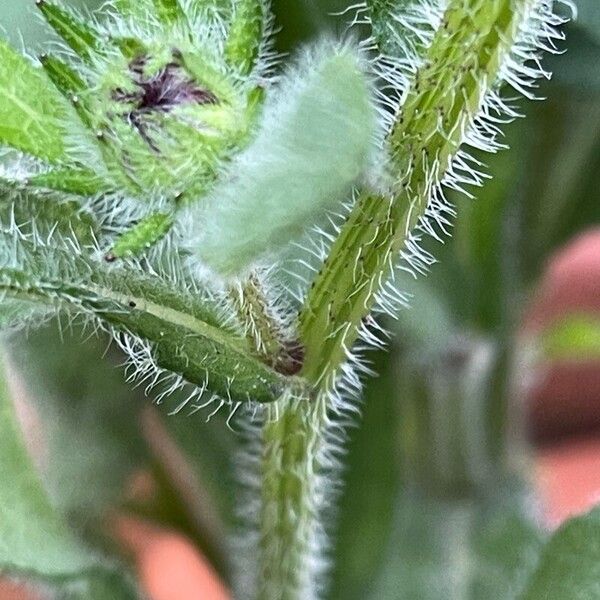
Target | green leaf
(570,563)
(576,68)
(90,416)
(453,548)
(34,541)
(180,327)
(30,109)
(80,36)
(312,146)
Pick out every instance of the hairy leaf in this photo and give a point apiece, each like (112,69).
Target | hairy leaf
(30,109)
(179,330)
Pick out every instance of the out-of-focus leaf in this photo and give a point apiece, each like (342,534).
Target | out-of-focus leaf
(507,544)
(90,416)
(570,563)
(303,20)
(371,484)
(210,450)
(457,550)
(426,325)
(34,540)
(559,187)
(99,436)
(575,337)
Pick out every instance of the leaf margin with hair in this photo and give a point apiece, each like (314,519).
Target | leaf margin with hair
(166,327)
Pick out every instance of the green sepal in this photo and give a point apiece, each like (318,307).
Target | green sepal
(82,39)
(167,12)
(68,83)
(81,182)
(130,47)
(62,76)
(245,34)
(170,11)
(145,234)
(31,110)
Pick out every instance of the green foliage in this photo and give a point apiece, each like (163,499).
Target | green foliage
(371,486)
(34,541)
(576,337)
(588,17)
(91,427)
(459,550)
(181,104)
(31,115)
(570,563)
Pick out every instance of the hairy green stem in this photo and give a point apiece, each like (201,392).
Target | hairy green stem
(289,509)
(461,65)
(288,436)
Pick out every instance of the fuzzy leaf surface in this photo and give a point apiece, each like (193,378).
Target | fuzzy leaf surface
(312,146)
(183,329)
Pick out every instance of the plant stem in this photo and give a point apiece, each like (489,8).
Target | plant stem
(289,513)
(291,432)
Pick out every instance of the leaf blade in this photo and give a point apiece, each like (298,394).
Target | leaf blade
(28,101)
(570,564)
